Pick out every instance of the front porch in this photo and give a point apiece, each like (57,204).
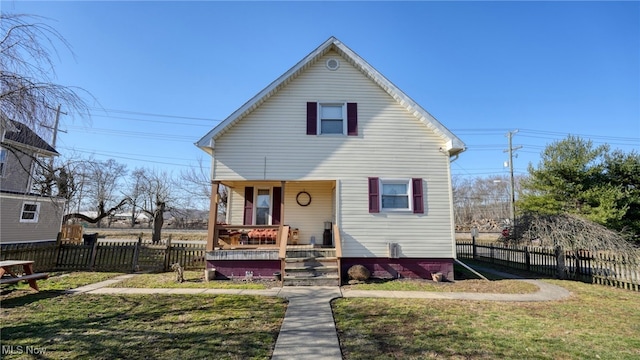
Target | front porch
(245,257)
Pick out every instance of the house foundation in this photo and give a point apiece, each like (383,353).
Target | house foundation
(412,268)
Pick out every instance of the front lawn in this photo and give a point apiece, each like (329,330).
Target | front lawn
(472,286)
(192,279)
(57,282)
(596,322)
(141,326)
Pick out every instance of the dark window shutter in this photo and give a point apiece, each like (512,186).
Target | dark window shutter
(248,205)
(277,205)
(374,195)
(352,119)
(418,197)
(312,118)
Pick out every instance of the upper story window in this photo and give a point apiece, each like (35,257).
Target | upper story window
(3,161)
(332,117)
(30,212)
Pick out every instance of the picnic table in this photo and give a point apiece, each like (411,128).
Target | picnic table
(7,267)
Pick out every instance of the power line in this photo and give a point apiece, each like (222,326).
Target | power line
(144,135)
(145,160)
(83,150)
(153,121)
(129,112)
(564,134)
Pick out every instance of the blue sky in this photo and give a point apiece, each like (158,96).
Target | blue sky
(167,72)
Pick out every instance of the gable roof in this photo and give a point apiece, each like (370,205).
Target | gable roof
(453,144)
(21,135)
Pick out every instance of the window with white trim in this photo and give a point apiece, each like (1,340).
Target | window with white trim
(402,195)
(331,118)
(30,212)
(3,161)
(263,207)
(396,195)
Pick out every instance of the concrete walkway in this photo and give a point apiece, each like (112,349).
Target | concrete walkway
(308,330)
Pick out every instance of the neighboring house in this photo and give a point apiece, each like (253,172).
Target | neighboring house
(24,216)
(332,144)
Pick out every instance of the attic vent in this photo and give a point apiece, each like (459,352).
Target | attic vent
(333,64)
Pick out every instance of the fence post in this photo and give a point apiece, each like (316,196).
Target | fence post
(474,233)
(167,254)
(527,258)
(560,266)
(491,253)
(136,255)
(58,246)
(94,254)
(475,249)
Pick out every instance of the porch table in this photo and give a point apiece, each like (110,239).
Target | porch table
(27,274)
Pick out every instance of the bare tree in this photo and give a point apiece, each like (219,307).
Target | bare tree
(102,179)
(196,184)
(157,194)
(28,93)
(135,193)
(573,232)
(483,201)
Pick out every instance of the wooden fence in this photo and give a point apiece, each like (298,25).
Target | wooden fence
(109,255)
(599,268)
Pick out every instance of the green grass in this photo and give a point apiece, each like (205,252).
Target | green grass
(55,284)
(472,286)
(143,326)
(193,279)
(595,322)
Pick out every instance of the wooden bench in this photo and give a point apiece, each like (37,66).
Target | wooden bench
(13,280)
(6,267)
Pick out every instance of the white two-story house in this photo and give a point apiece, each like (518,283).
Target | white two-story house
(332,156)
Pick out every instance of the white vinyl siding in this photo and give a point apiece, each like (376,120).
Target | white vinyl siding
(391,143)
(46,229)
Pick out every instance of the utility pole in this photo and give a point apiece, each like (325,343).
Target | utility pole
(55,138)
(55,126)
(511,149)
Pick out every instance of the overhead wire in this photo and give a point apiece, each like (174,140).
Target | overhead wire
(526,133)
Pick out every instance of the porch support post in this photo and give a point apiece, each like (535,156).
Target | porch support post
(212,231)
(281,225)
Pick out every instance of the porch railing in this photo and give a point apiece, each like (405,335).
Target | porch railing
(249,236)
(284,239)
(338,245)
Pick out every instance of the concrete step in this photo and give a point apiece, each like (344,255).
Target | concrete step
(328,280)
(310,258)
(311,267)
(303,267)
(308,253)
